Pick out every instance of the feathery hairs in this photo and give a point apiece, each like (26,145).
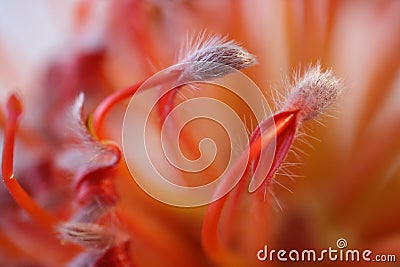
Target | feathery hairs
(210,56)
(89,235)
(313,92)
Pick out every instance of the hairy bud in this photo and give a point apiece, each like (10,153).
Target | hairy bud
(212,56)
(313,93)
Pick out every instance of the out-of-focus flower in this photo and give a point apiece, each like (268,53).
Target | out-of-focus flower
(99,217)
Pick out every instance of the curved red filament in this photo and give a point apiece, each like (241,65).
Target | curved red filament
(13,112)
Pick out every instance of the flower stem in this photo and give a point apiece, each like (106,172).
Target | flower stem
(13,112)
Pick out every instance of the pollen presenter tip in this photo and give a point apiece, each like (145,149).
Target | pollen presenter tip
(14,105)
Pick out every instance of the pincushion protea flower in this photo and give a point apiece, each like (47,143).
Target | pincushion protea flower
(350,187)
(92,225)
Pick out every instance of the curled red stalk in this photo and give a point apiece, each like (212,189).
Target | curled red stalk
(310,95)
(92,226)
(13,112)
(96,120)
(205,57)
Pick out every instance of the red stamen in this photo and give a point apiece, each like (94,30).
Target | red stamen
(13,112)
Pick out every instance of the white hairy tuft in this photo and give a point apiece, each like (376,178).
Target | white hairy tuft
(313,92)
(77,125)
(83,149)
(207,57)
(89,235)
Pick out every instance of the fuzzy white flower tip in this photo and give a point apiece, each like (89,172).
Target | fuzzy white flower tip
(208,57)
(312,93)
